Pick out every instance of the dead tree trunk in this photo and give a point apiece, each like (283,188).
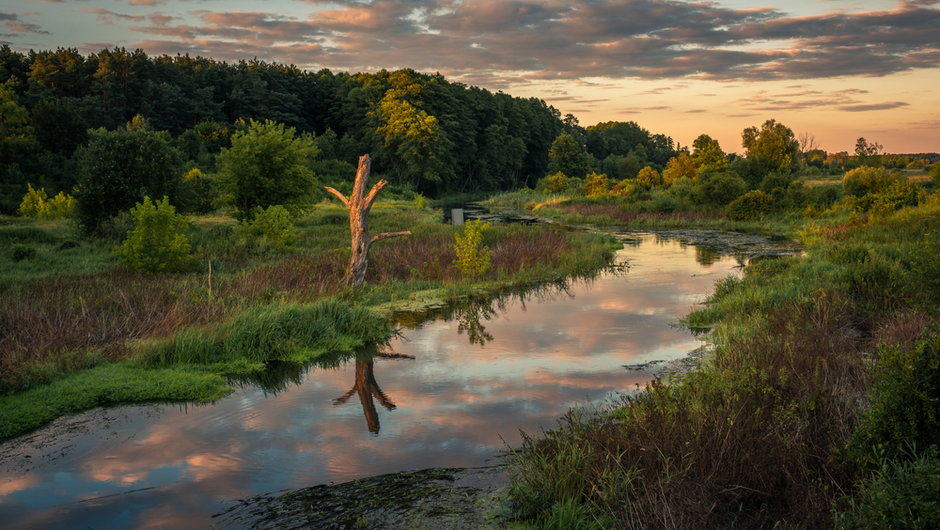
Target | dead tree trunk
(359,205)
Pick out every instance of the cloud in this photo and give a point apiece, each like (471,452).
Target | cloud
(844,100)
(12,22)
(873,106)
(106,16)
(556,39)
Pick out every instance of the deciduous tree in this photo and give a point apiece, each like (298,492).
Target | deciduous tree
(268,164)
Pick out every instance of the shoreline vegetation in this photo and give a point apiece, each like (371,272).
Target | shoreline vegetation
(89,334)
(817,408)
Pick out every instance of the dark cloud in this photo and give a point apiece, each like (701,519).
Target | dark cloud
(874,106)
(13,23)
(560,39)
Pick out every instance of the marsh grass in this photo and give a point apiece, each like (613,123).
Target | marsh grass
(776,429)
(85,314)
(283,332)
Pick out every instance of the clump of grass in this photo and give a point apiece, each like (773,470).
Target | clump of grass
(901,494)
(296,333)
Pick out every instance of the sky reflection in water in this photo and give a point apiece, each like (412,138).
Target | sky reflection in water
(450,392)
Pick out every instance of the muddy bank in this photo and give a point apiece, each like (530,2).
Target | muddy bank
(431,498)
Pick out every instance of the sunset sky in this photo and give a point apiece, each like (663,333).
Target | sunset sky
(838,69)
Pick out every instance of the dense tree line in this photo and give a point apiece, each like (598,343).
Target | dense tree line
(422,130)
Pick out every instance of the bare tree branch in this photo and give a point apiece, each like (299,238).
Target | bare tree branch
(386,235)
(373,193)
(338,194)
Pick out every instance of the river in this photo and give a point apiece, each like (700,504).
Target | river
(452,390)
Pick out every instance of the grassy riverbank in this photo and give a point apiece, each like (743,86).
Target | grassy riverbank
(79,331)
(818,408)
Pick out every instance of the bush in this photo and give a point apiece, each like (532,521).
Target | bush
(663,203)
(750,206)
(894,196)
(198,192)
(116,169)
(20,252)
(905,404)
(553,183)
(37,204)
(158,242)
(649,177)
(900,495)
(473,257)
(935,173)
(864,180)
(718,189)
(596,185)
(270,228)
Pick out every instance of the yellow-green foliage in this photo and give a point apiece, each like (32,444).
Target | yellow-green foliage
(649,177)
(556,183)
(864,180)
(158,241)
(625,187)
(272,227)
(473,257)
(36,203)
(596,185)
(878,190)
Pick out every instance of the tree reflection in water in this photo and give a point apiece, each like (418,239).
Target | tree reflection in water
(368,388)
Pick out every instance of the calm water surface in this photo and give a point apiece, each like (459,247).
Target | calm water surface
(452,391)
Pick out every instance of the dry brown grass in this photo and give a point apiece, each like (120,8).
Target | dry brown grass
(625,217)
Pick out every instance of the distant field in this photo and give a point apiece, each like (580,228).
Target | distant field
(912,174)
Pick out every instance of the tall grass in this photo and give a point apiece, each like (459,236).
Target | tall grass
(254,307)
(284,332)
(775,429)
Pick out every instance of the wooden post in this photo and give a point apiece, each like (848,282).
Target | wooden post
(359,205)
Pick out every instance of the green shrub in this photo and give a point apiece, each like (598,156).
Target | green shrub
(864,180)
(893,196)
(663,202)
(935,173)
(116,169)
(718,188)
(899,495)
(750,206)
(270,228)
(905,403)
(198,192)
(473,257)
(158,241)
(20,252)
